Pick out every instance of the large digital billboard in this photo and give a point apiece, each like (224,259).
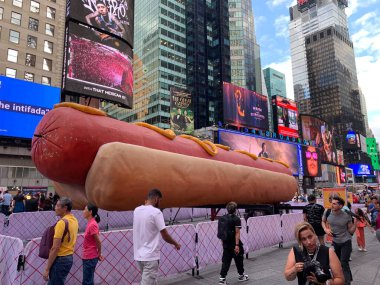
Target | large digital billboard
(115,17)
(22,106)
(311,161)
(351,141)
(285,116)
(361,169)
(98,69)
(244,108)
(303,5)
(322,135)
(282,151)
(181,111)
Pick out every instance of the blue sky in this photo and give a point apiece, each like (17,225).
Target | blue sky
(271,25)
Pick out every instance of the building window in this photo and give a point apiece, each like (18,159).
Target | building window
(10,72)
(50,12)
(48,47)
(34,7)
(16,18)
(30,60)
(14,37)
(46,80)
(49,30)
(12,55)
(32,41)
(33,24)
(47,64)
(29,76)
(329,32)
(1,13)
(17,3)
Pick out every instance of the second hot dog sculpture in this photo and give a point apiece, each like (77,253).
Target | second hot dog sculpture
(113,164)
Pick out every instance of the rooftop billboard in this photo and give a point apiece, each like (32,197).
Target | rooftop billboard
(22,106)
(244,108)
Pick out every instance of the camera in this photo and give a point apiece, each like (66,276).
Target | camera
(313,266)
(353,215)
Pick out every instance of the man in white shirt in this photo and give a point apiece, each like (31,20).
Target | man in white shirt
(148,223)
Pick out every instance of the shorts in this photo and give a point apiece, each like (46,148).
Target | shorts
(319,231)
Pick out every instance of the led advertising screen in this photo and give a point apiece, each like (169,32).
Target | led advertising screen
(303,5)
(322,135)
(311,161)
(22,106)
(244,108)
(282,151)
(97,69)
(285,116)
(349,175)
(181,111)
(341,173)
(115,17)
(361,169)
(352,141)
(363,143)
(340,156)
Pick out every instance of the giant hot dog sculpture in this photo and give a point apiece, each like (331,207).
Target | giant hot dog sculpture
(113,164)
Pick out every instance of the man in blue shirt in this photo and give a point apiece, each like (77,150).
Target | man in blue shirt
(7,199)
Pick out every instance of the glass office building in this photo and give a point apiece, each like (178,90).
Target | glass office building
(245,52)
(159,61)
(275,82)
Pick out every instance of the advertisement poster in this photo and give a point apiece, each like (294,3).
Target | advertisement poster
(349,175)
(330,192)
(311,161)
(352,141)
(285,116)
(285,152)
(181,111)
(96,69)
(22,106)
(244,108)
(341,175)
(322,135)
(340,156)
(361,169)
(111,17)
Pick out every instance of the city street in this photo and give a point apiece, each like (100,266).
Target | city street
(266,267)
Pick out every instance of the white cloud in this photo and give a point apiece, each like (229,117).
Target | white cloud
(281,26)
(286,68)
(355,5)
(278,3)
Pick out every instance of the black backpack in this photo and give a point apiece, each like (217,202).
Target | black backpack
(48,237)
(226,228)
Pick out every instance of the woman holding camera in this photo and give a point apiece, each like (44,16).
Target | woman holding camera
(310,262)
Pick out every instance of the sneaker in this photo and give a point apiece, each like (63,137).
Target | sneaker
(222,280)
(364,249)
(360,249)
(243,277)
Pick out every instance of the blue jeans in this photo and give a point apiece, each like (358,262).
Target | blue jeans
(89,266)
(60,269)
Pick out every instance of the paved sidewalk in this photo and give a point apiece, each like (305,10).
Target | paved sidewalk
(266,267)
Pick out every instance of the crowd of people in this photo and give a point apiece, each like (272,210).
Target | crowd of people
(27,202)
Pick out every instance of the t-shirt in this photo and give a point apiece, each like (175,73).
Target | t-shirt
(90,250)
(7,199)
(236,223)
(314,213)
(148,221)
(339,226)
(67,248)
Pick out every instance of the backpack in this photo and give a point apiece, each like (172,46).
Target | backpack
(226,229)
(48,237)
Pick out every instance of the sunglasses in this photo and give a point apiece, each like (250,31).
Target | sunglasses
(313,155)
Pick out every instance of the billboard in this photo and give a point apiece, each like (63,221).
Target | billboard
(363,143)
(303,5)
(22,106)
(340,157)
(282,151)
(97,69)
(181,111)
(361,169)
(341,175)
(331,192)
(350,178)
(322,135)
(311,161)
(244,108)
(109,17)
(285,116)
(351,141)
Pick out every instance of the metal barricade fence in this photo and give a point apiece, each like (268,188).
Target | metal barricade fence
(2,221)
(288,222)
(10,250)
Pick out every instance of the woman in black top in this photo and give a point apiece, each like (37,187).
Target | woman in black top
(307,252)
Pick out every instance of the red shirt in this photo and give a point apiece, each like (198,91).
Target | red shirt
(90,250)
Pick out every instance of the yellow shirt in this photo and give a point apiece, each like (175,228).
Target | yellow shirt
(67,248)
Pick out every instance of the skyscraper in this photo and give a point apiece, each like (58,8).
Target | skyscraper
(275,82)
(245,52)
(324,71)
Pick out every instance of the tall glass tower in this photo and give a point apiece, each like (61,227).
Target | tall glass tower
(159,61)
(275,82)
(245,52)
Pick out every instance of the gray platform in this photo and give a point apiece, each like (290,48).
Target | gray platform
(267,266)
